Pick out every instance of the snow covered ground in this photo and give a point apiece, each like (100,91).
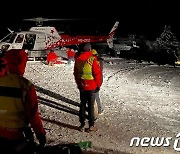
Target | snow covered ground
(139,100)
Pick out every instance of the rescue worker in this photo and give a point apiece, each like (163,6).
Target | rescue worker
(87,73)
(99,59)
(70,55)
(100,62)
(18,109)
(52,58)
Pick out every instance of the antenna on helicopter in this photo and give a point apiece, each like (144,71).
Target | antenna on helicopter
(10,32)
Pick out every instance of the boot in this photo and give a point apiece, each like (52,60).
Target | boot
(92,129)
(81,128)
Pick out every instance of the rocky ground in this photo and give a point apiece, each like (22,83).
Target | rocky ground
(139,100)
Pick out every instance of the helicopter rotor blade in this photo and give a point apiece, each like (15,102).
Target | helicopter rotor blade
(39,20)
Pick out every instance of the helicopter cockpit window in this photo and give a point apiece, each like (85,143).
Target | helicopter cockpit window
(12,38)
(20,38)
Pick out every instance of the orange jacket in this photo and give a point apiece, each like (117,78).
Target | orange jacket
(94,71)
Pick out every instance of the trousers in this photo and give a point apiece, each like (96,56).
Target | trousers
(87,98)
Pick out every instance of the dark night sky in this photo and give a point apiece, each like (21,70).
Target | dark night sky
(144,18)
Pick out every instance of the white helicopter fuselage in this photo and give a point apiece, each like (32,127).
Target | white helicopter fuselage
(34,41)
(40,39)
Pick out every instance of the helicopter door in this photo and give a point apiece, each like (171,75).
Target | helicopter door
(40,42)
(29,41)
(18,42)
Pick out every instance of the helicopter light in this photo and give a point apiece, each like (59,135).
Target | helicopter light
(5,47)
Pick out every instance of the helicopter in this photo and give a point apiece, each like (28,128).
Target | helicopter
(39,40)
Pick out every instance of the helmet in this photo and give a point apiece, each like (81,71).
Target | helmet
(94,52)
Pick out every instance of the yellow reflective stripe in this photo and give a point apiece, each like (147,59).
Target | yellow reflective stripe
(90,61)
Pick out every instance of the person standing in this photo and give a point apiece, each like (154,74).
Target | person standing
(100,62)
(70,55)
(18,107)
(87,73)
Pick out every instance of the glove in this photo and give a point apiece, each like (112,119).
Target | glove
(42,139)
(97,89)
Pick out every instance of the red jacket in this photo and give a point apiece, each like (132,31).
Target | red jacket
(70,53)
(52,57)
(87,84)
(32,111)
